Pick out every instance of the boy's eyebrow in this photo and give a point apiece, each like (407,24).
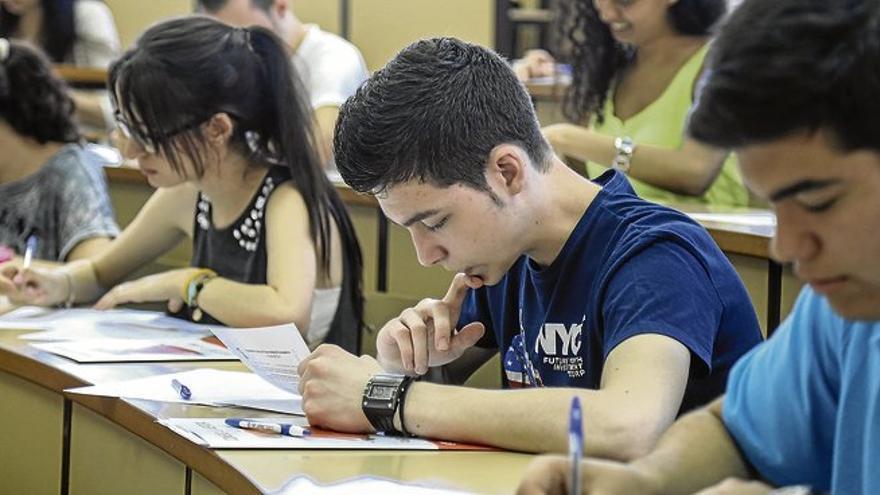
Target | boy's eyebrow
(800,187)
(418,217)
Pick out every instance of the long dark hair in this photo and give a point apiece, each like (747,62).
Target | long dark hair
(58,32)
(597,58)
(182,71)
(33,101)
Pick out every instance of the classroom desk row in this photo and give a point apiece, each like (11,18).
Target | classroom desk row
(391,265)
(52,442)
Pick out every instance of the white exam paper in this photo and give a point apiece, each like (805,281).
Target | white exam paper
(365,485)
(757,219)
(274,353)
(127,350)
(216,434)
(208,387)
(82,323)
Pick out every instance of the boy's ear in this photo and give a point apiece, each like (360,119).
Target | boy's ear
(506,168)
(280,8)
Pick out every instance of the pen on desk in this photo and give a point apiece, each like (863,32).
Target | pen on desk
(29,250)
(290,430)
(575,444)
(184,391)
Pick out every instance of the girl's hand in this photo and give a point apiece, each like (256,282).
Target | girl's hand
(165,286)
(33,286)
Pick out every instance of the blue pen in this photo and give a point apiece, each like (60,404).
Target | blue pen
(29,249)
(575,444)
(288,429)
(183,390)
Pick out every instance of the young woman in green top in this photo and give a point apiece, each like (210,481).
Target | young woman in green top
(636,64)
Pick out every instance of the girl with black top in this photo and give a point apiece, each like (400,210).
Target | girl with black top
(217,120)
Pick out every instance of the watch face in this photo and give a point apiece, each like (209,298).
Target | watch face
(382,391)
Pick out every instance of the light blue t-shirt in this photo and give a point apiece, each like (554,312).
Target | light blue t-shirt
(805,406)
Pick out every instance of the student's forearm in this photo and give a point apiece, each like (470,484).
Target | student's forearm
(680,468)
(82,282)
(532,420)
(324,128)
(684,171)
(89,108)
(249,305)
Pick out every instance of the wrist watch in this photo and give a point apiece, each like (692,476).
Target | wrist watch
(382,397)
(625,147)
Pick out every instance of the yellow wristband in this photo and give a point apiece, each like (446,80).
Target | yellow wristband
(197,275)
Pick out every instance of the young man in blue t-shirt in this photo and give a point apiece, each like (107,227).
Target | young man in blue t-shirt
(585,289)
(792,87)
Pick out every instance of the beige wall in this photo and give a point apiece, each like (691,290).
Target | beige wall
(324,13)
(380,28)
(133,17)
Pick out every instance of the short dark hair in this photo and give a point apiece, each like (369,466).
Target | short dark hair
(434,113)
(211,6)
(597,58)
(785,66)
(32,100)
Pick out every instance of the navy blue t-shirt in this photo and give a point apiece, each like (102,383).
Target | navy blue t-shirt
(629,267)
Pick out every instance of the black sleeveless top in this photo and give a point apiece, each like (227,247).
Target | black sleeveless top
(238,253)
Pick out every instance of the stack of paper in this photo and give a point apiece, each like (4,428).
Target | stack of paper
(82,323)
(207,386)
(216,434)
(757,219)
(137,350)
(302,485)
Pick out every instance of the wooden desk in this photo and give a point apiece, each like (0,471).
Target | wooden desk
(82,77)
(65,443)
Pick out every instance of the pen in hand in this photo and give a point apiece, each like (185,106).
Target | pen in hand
(182,390)
(29,250)
(575,444)
(290,430)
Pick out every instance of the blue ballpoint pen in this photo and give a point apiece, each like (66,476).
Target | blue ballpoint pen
(575,444)
(290,430)
(184,391)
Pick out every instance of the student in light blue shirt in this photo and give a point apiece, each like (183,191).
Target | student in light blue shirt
(791,87)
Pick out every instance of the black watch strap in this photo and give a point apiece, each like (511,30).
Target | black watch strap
(381,400)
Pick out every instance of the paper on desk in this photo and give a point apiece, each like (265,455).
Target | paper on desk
(127,350)
(208,387)
(274,353)
(83,323)
(757,219)
(216,434)
(367,485)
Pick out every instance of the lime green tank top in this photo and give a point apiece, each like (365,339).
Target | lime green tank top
(662,123)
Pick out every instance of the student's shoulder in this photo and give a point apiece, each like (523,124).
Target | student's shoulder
(285,203)
(73,162)
(89,8)
(91,15)
(327,43)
